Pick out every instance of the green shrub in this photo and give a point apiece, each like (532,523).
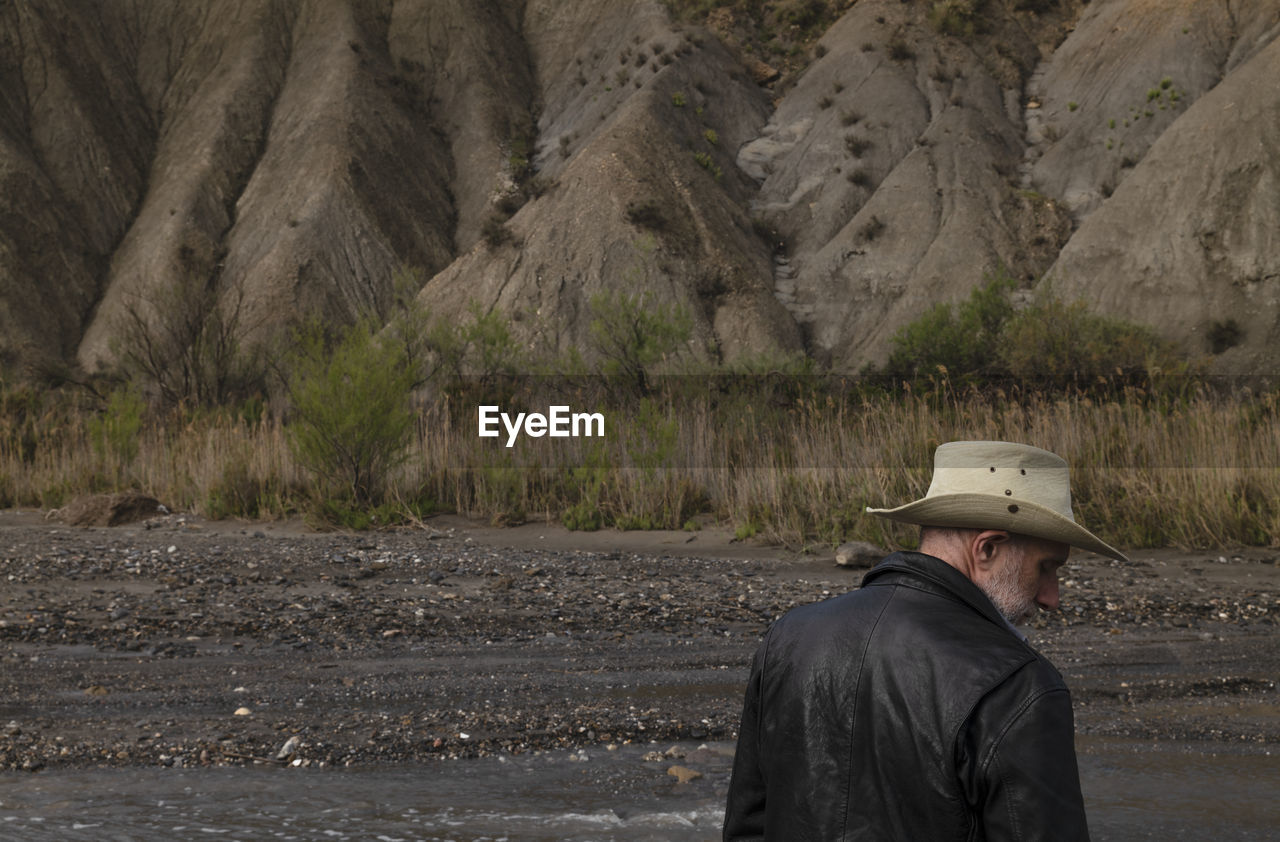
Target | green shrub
(1224,334)
(55,494)
(1066,341)
(1052,341)
(709,164)
(471,359)
(635,523)
(900,50)
(236,492)
(873,228)
(954,17)
(856,145)
(583,516)
(536,186)
(647,214)
(956,340)
(185,342)
(510,202)
(518,159)
(633,334)
(407,324)
(493,350)
(585,485)
(114,432)
(651,493)
(357,517)
(500,489)
(808,14)
(351,415)
(495,231)
(859,177)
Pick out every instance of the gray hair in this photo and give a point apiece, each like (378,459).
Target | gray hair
(947,534)
(953,534)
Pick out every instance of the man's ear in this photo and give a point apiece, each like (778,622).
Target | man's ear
(986,546)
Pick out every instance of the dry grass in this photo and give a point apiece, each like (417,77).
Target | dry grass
(1202,473)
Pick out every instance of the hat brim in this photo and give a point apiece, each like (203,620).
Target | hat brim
(984,511)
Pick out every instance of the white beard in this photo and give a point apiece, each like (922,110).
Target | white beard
(1006,591)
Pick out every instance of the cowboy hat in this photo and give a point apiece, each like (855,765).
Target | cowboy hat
(1000,485)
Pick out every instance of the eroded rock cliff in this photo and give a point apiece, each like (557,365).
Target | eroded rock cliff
(286,157)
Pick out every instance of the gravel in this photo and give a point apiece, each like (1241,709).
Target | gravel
(139,645)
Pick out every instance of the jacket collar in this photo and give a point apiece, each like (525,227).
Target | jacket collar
(944,578)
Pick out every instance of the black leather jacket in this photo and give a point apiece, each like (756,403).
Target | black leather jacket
(906,710)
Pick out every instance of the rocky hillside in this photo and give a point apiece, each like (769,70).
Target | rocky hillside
(800,175)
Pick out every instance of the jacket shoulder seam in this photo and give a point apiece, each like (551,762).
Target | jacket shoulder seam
(862,660)
(964,722)
(995,749)
(764,665)
(1017,714)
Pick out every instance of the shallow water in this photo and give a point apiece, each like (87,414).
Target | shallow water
(1134,792)
(1137,791)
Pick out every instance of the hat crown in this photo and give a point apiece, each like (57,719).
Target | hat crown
(1017,472)
(1000,485)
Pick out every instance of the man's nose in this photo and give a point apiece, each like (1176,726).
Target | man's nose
(1047,597)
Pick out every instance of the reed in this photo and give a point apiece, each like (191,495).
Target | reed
(1201,471)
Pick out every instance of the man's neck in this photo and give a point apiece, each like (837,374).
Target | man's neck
(964,564)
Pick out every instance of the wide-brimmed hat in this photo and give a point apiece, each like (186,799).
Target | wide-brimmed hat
(1001,485)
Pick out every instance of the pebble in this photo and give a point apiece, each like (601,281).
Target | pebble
(317,615)
(290,746)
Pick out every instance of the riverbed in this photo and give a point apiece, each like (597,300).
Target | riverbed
(265,681)
(1133,790)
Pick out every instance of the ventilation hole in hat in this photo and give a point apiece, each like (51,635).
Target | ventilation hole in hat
(1008,492)
(1013,509)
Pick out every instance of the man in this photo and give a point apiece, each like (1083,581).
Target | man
(912,709)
